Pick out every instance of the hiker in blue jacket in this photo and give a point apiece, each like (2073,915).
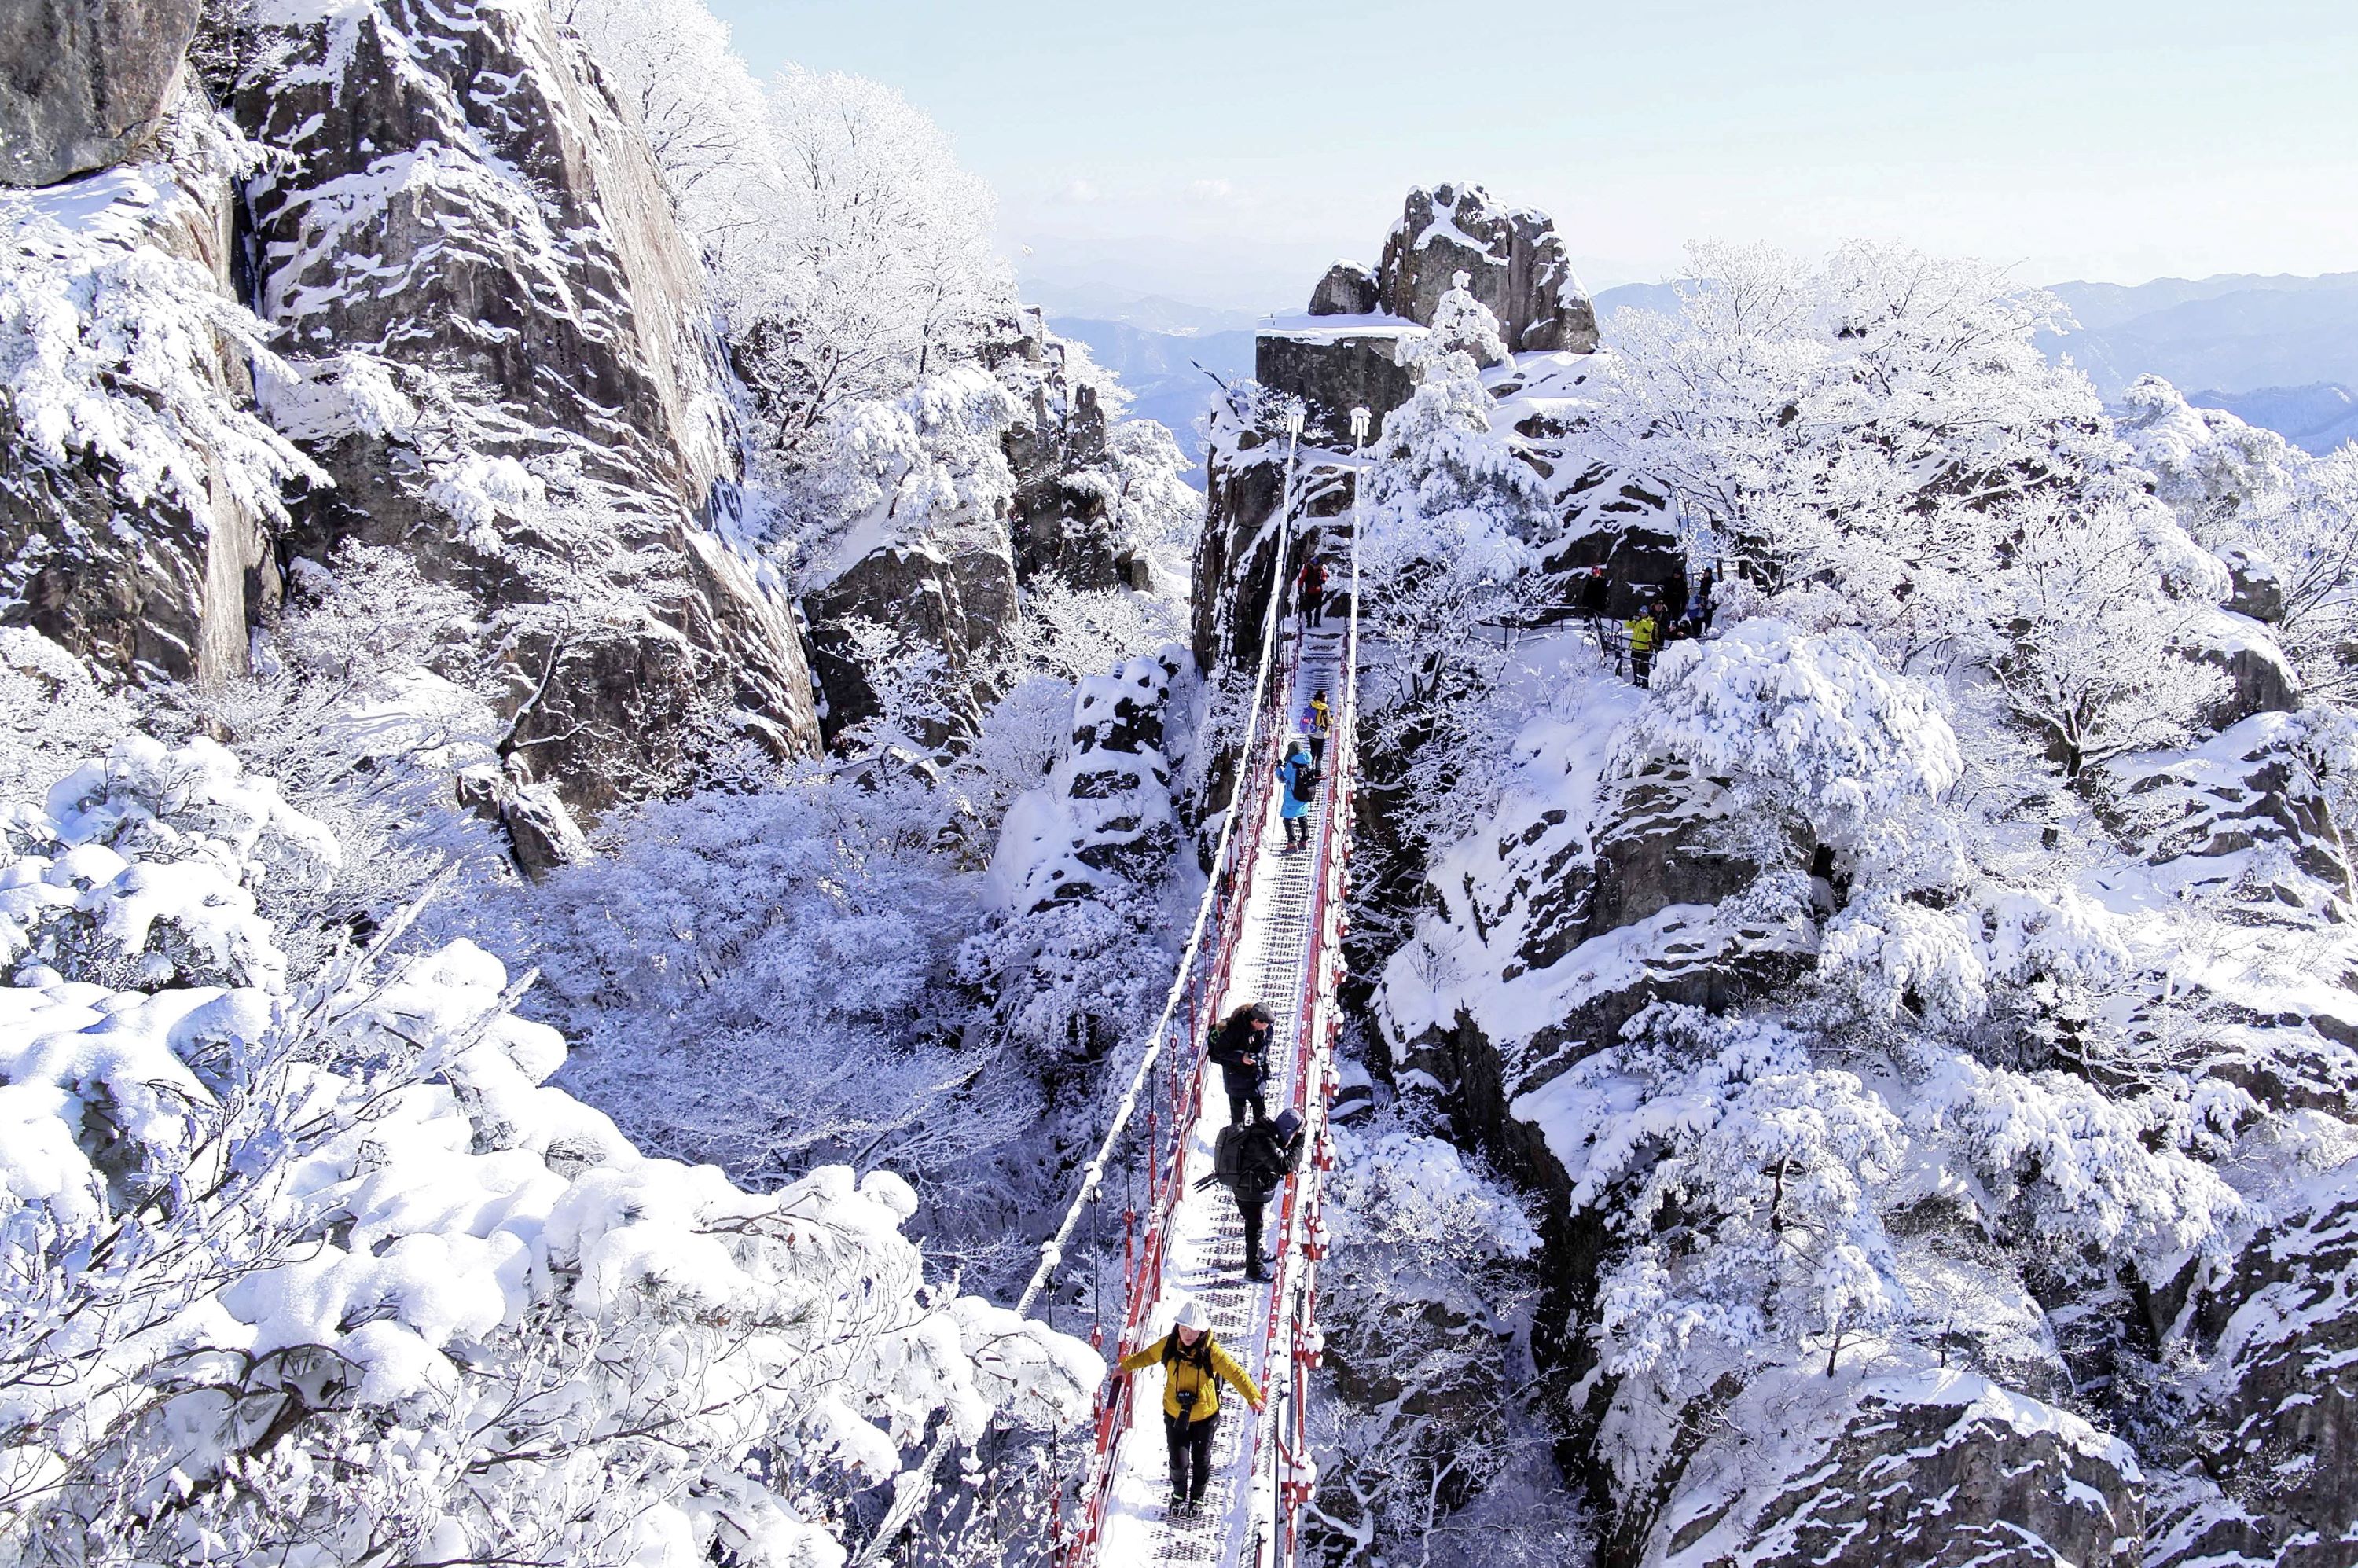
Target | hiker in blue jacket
(1297,783)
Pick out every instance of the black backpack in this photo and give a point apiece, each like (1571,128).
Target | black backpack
(1227,1155)
(1229,1149)
(1305,780)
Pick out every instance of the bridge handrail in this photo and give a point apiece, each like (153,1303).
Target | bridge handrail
(1230,880)
(1281,1438)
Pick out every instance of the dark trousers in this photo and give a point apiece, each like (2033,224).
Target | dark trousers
(1191,1455)
(1317,751)
(1297,830)
(1252,1209)
(1237,1103)
(1641,667)
(1313,601)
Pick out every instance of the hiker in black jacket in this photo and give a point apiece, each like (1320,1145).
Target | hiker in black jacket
(1265,1153)
(1596,595)
(1312,583)
(1241,1047)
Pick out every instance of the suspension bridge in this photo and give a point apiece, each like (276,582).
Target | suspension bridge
(1269,930)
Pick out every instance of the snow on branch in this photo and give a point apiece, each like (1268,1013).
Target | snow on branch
(112,348)
(1818,717)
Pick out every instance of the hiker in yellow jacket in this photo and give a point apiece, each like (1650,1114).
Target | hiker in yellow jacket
(1193,1364)
(1645,639)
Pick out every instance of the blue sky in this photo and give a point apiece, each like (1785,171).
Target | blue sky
(1224,152)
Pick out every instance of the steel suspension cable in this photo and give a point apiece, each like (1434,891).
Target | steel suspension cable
(1051,1251)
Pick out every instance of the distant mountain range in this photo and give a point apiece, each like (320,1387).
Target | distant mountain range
(1168,354)
(2317,418)
(2277,351)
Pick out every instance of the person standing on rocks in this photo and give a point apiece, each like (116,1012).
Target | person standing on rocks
(1704,609)
(1311,585)
(1193,1367)
(1297,779)
(1240,1050)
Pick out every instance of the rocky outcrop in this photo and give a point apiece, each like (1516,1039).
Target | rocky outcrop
(143,580)
(2260,679)
(1105,817)
(542,834)
(1245,485)
(85,84)
(1610,516)
(2257,589)
(1353,363)
(1583,918)
(1517,262)
(1062,522)
(1349,288)
(2246,800)
(1939,1470)
(2274,1476)
(952,594)
(502,359)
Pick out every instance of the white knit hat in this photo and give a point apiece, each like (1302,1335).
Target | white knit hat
(1191,1315)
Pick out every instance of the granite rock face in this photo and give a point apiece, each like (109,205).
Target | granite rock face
(1517,262)
(85,84)
(2272,1474)
(1349,288)
(1335,372)
(2249,788)
(144,586)
(2258,587)
(1940,1471)
(1235,552)
(502,357)
(1060,524)
(952,593)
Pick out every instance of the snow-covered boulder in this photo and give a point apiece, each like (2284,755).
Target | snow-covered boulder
(2258,586)
(1105,815)
(1938,1469)
(2260,679)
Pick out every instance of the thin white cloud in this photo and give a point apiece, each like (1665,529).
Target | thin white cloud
(1080,192)
(1211,192)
